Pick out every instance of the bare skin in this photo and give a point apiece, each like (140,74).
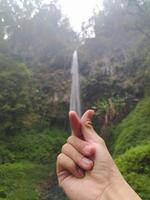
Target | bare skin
(85,168)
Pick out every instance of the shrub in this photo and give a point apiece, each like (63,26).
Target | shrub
(18,181)
(6,156)
(39,147)
(135,166)
(133,130)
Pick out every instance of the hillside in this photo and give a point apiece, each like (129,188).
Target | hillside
(130,144)
(133,130)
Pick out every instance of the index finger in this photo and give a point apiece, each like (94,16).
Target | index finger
(75,124)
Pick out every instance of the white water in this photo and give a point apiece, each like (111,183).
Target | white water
(75,104)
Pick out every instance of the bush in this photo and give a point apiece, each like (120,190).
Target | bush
(15,91)
(130,145)
(37,147)
(18,181)
(34,154)
(133,130)
(6,156)
(135,166)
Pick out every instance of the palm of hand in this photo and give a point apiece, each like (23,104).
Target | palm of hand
(77,189)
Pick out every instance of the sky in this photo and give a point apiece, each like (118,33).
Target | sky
(79,11)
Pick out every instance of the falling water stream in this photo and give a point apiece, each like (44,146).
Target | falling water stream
(75,103)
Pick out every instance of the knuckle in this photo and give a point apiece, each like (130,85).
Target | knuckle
(64,147)
(69,139)
(59,157)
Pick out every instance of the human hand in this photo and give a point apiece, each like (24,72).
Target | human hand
(85,168)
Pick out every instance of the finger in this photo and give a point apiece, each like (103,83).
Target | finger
(83,162)
(66,166)
(87,116)
(87,129)
(81,146)
(75,124)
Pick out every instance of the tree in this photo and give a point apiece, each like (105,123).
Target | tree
(14,94)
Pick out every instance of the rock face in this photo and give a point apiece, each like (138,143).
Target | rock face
(52,98)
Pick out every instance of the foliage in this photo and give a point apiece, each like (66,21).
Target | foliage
(136,160)
(39,35)
(40,147)
(103,106)
(14,93)
(133,130)
(135,166)
(26,160)
(6,156)
(130,144)
(19,180)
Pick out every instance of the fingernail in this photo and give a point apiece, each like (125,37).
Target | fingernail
(86,161)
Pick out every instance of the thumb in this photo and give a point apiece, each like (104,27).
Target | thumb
(75,124)
(88,131)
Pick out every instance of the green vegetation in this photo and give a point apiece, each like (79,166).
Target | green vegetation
(36,46)
(133,130)
(26,161)
(130,143)
(19,180)
(40,147)
(134,165)
(14,93)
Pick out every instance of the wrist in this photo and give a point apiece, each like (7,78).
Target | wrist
(119,190)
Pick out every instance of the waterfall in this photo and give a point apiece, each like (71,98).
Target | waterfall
(75,104)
